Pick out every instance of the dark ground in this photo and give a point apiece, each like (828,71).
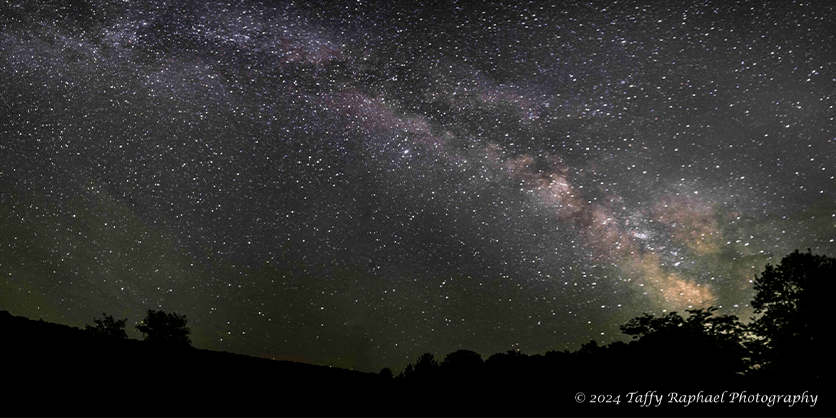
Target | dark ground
(56,370)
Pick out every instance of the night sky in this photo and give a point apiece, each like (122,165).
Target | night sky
(356,183)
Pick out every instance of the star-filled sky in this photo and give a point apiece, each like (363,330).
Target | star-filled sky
(353,183)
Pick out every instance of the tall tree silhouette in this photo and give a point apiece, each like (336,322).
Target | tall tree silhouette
(165,328)
(108,327)
(792,299)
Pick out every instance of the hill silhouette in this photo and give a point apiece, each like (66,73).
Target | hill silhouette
(55,369)
(700,364)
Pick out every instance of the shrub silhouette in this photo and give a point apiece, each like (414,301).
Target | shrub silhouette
(165,328)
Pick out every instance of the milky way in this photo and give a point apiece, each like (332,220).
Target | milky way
(356,183)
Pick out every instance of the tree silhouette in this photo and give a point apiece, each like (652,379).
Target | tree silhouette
(407,372)
(648,324)
(792,299)
(108,327)
(712,344)
(426,365)
(163,328)
(590,349)
(386,373)
(462,364)
(506,366)
(423,369)
(462,359)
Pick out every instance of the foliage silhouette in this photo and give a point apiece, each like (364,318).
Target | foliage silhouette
(108,327)
(792,300)
(407,372)
(590,348)
(510,365)
(672,352)
(426,366)
(424,369)
(462,363)
(709,344)
(54,366)
(163,328)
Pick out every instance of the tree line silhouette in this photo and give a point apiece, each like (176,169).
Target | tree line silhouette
(782,347)
(785,341)
(158,327)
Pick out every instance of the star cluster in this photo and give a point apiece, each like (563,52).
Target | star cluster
(354,183)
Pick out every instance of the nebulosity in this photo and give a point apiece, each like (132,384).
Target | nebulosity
(356,183)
